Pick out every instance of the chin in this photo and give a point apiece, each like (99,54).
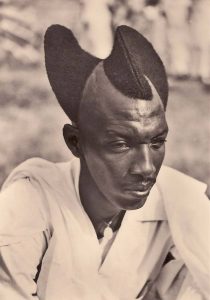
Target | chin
(132,204)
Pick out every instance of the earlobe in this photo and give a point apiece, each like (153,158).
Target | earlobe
(71,137)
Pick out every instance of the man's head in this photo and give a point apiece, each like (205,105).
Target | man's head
(119,125)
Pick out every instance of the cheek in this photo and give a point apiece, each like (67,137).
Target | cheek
(105,165)
(106,169)
(95,161)
(103,173)
(158,157)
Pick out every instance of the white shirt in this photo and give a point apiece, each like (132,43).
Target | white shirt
(43,221)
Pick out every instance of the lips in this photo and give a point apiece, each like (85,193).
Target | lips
(141,186)
(141,189)
(141,193)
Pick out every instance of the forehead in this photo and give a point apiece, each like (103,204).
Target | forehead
(104,104)
(119,108)
(140,119)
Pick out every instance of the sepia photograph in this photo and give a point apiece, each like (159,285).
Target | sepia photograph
(105,149)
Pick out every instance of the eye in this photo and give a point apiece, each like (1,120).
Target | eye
(156,144)
(119,146)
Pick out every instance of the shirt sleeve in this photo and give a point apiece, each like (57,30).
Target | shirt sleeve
(188,213)
(23,240)
(176,283)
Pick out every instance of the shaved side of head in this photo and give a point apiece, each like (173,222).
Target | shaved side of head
(101,100)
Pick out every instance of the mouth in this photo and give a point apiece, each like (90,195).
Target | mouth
(141,190)
(137,193)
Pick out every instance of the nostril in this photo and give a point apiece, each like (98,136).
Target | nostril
(143,170)
(142,162)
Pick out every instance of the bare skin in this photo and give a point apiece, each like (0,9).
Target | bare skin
(120,143)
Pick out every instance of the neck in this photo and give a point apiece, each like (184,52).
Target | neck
(98,208)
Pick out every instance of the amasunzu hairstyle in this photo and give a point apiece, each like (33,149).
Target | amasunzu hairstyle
(132,60)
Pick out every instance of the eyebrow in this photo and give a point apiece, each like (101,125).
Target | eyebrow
(129,133)
(123,131)
(165,131)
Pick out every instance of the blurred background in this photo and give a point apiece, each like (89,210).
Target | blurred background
(31,121)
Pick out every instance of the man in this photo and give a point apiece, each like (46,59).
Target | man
(99,227)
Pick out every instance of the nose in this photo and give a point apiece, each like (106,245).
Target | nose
(142,164)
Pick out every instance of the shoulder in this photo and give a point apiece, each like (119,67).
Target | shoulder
(19,193)
(22,213)
(39,170)
(183,198)
(174,181)
(188,213)
(23,198)
(36,180)
(44,175)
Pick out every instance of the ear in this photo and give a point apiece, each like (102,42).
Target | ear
(71,137)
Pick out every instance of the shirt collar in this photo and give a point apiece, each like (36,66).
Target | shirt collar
(153,209)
